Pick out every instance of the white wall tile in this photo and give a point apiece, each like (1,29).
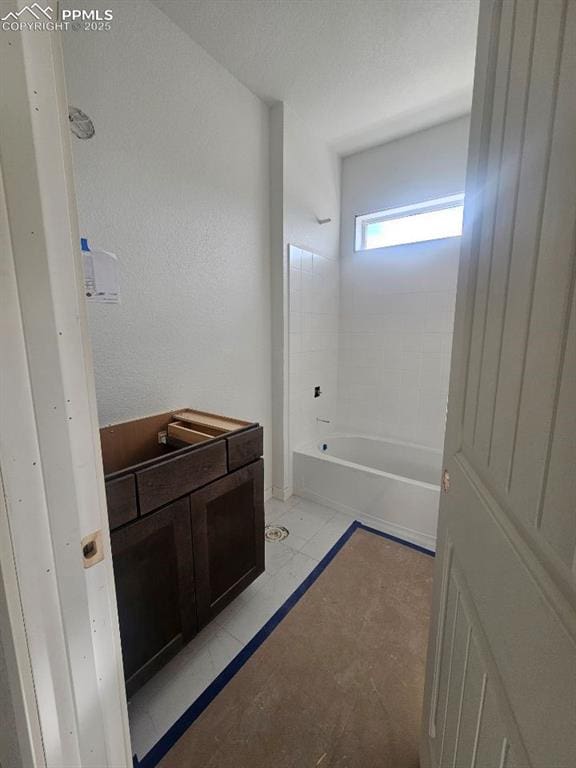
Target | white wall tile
(397,304)
(295,301)
(314,335)
(295,279)
(306,261)
(295,257)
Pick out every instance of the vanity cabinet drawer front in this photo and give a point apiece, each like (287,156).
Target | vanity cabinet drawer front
(245,448)
(164,482)
(121,499)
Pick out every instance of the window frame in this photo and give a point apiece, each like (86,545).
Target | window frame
(362,221)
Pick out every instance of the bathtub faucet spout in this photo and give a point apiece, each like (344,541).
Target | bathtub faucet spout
(324,421)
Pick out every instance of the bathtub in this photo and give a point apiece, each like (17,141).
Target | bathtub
(391,485)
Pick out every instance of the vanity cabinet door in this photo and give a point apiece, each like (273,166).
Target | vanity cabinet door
(228,538)
(153,570)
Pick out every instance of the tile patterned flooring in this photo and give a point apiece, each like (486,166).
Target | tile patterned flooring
(314,529)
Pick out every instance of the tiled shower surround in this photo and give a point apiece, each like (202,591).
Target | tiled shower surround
(396,318)
(314,303)
(375,333)
(374,328)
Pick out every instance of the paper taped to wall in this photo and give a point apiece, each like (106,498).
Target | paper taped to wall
(100,275)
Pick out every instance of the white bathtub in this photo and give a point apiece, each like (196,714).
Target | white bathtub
(392,485)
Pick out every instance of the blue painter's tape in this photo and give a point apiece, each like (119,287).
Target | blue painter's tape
(84,244)
(153,757)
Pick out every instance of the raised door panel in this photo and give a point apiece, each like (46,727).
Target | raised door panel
(471,720)
(556,514)
(518,388)
(486,223)
(228,537)
(153,570)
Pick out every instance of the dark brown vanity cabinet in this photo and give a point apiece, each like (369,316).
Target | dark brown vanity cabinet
(185,498)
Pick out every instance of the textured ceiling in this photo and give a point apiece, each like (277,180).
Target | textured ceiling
(359,72)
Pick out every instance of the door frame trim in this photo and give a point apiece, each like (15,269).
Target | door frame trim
(69,671)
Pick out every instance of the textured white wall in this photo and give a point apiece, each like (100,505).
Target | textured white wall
(175,182)
(397,304)
(312,191)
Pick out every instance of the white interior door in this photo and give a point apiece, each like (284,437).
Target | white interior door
(501,682)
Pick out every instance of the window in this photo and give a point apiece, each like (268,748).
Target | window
(431,220)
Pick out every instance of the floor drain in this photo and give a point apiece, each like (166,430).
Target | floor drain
(275,532)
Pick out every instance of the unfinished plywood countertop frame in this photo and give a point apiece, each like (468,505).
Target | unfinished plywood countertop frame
(194,427)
